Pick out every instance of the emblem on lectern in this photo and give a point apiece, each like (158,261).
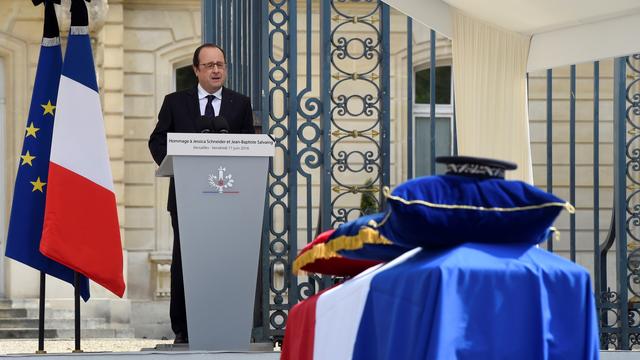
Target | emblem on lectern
(221,181)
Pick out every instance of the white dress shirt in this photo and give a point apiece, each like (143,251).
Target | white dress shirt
(217,100)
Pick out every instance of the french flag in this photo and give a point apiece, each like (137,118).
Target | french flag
(473,301)
(81,227)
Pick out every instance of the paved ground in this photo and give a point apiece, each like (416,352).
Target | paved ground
(29,346)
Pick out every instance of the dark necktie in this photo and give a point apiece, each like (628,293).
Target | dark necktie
(208,110)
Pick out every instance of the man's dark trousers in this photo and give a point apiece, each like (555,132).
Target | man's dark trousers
(177,309)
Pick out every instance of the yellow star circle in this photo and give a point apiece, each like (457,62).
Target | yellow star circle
(31,130)
(27,158)
(48,108)
(38,185)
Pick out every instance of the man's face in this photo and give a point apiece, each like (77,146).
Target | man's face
(212,69)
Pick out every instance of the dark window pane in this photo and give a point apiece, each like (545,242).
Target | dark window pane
(443,85)
(185,78)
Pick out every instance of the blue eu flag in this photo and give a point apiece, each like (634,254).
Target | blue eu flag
(27,211)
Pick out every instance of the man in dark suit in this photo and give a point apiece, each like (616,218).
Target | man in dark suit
(180,113)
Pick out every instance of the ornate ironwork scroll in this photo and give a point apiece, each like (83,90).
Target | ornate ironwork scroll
(277,234)
(356,99)
(632,260)
(620,307)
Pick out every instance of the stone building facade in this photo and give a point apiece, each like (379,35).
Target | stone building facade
(137,46)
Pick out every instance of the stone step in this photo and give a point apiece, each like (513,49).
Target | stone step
(5,304)
(33,310)
(90,323)
(20,321)
(11,323)
(12,313)
(51,313)
(20,333)
(96,333)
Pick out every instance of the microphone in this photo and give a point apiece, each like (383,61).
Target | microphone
(204,124)
(220,125)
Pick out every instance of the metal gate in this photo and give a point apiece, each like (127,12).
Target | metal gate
(331,129)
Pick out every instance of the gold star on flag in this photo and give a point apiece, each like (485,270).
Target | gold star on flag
(48,108)
(27,158)
(31,130)
(38,185)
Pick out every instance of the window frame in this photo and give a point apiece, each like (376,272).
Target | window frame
(422,110)
(425,66)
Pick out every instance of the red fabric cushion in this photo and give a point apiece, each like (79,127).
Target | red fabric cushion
(317,259)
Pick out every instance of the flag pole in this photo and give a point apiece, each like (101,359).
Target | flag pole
(43,279)
(76,296)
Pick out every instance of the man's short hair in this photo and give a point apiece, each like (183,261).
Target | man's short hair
(196,54)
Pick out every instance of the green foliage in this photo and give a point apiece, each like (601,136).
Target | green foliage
(368,202)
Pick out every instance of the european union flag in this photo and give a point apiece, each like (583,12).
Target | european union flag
(27,211)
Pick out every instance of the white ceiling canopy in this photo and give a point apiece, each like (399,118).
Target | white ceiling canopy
(562,31)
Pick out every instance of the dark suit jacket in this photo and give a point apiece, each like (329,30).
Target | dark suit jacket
(179,113)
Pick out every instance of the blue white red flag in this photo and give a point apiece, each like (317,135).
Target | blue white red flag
(81,227)
(29,195)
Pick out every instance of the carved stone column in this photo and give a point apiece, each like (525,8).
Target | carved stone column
(97,14)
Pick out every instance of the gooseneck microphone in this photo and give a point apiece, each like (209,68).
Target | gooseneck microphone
(216,124)
(220,125)
(204,124)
